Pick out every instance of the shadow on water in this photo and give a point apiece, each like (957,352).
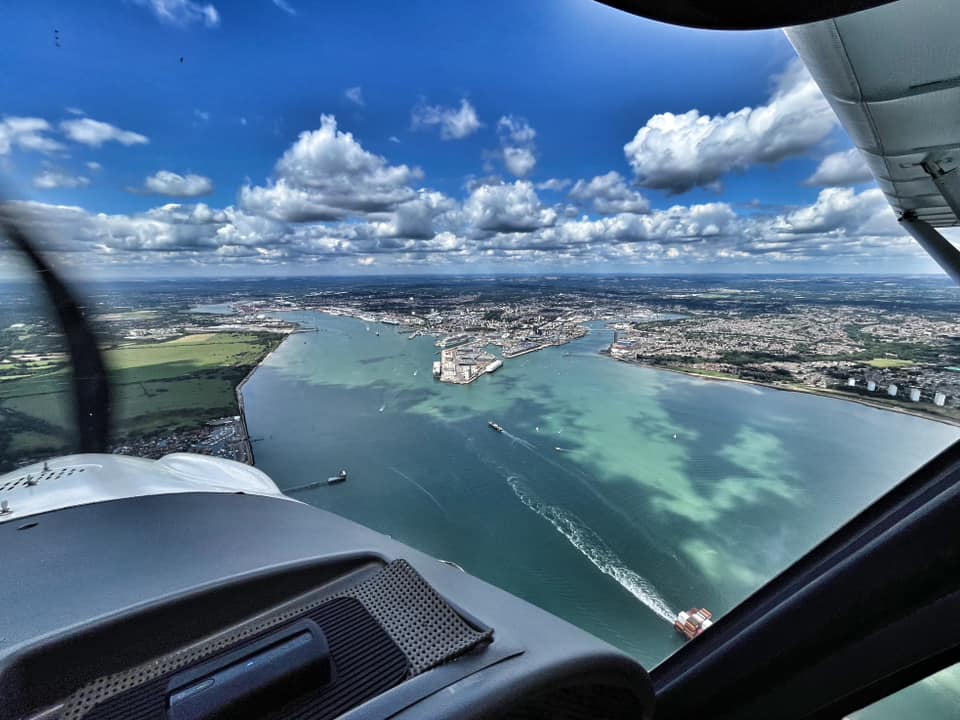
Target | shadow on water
(667,492)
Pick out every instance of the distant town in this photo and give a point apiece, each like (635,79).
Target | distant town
(179,351)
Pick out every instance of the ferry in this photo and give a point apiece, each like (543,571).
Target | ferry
(338,478)
(495,426)
(693,622)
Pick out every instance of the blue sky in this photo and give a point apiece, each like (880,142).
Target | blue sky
(301,137)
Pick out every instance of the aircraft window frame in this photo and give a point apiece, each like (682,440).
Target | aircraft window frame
(803,647)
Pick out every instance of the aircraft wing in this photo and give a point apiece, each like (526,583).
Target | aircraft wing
(892,75)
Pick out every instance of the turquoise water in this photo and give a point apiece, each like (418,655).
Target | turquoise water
(617,495)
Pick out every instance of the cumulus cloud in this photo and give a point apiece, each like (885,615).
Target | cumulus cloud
(328,175)
(182,12)
(679,152)
(517,146)
(354,95)
(608,194)
(842,210)
(498,223)
(26,133)
(841,168)
(454,123)
(95,133)
(164,182)
(416,218)
(94,166)
(52,179)
(507,208)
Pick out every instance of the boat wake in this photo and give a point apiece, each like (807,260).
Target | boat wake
(422,489)
(594,549)
(525,443)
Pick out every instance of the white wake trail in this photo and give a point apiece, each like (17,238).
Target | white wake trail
(422,488)
(594,549)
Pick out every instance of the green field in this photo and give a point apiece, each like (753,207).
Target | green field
(158,387)
(889,363)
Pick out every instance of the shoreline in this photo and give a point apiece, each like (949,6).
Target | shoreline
(820,392)
(238,394)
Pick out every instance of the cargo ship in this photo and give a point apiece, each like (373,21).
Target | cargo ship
(693,622)
(495,426)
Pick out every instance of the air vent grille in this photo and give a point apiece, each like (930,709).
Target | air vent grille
(42,476)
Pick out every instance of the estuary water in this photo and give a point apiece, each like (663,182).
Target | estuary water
(617,494)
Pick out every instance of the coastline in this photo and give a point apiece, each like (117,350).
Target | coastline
(821,392)
(238,393)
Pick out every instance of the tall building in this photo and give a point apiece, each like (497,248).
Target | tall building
(871,385)
(892,390)
(915,394)
(939,399)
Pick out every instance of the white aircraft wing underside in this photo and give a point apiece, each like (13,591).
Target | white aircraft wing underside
(892,75)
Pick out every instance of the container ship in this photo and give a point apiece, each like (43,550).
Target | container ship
(693,622)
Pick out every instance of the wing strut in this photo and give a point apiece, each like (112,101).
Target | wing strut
(936,245)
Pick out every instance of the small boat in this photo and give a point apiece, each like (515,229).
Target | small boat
(338,478)
(693,622)
(495,426)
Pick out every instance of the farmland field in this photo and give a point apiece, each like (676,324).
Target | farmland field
(157,387)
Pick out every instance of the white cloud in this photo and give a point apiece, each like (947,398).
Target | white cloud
(75,111)
(454,123)
(516,144)
(354,95)
(502,224)
(394,139)
(507,208)
(51,179)
(94,166)
(95,133)
(843,210)
(182,12)
(555,184)
(328,175)
(608,194)
(367,261)
(201,115)
(164,182)
(285,6)
(679,152)
(841,168)
(519,161)
(26,133)
(416,218)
